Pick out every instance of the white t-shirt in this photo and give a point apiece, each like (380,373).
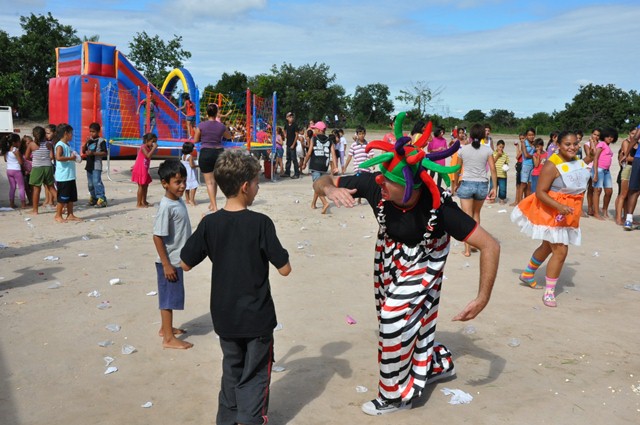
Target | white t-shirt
(173,225)
(12,160)
(342,146)
(474,162)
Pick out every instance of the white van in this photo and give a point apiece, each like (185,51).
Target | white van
(6,120)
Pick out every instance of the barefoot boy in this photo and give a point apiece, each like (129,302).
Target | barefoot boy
(240,244)
(65,174)
(171,229)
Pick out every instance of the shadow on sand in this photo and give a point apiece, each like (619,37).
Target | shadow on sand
(306,378)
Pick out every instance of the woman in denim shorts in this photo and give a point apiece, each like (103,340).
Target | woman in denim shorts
(601,174)
(472,190)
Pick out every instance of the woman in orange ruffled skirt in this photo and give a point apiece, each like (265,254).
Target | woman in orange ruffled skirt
(552,214)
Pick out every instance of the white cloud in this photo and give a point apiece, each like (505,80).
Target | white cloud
(472,4)
(526,67)
(27,4)
(196,10)
(583,82)
(523,67)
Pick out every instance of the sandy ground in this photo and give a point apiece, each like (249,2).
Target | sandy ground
(577,363)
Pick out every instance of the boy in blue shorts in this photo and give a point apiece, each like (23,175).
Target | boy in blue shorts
(171,229)
(320,155)
(65,174)
(240,244)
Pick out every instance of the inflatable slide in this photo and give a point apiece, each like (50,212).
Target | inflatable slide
(96,83)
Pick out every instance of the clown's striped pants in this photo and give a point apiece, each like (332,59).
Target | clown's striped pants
(407,284)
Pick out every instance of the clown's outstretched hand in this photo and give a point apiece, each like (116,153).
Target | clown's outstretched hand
(489,259)
(341,196)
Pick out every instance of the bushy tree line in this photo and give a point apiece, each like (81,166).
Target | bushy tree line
(311,91)
(28,61)
(592,107)
(154,58)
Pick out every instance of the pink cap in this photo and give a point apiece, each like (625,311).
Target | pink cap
(320,126)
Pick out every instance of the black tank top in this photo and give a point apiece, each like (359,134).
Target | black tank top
(632,152)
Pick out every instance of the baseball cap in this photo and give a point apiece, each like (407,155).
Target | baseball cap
(289,114)
(320,126)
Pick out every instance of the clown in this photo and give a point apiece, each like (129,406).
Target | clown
(416,220)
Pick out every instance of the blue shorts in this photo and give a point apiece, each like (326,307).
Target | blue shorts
(634,179)
(170,294)
(525,173)
(604,179)
(279,151)
(315,175)
(191,118)
(477,191)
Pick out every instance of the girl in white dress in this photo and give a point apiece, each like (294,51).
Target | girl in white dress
(192,178)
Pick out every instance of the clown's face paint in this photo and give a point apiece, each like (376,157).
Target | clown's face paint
(390,191)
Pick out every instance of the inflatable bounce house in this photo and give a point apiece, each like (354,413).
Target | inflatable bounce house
(96,83)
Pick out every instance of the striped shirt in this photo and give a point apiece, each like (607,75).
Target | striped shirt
(504,159)
(357,151)
(42,156)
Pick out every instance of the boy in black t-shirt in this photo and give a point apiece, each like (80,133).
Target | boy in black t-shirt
(291,131)
(240,244)
(95,149)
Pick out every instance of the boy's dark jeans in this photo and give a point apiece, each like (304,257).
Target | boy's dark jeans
(291,156)
(502,188)
(246,375)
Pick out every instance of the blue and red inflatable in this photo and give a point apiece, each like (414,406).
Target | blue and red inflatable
(96,83)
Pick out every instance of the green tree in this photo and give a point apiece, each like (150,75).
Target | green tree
(502,118)
(413,116)
(475,116)
(541,119)
(29,61)
(10,73)
(420,96)
(371,103)
(633,118)
(264,85)
(542,122)
(308,90)
(597,106)
(155,58)
(232,84)
(94,38)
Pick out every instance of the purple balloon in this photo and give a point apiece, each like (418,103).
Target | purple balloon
(435,156)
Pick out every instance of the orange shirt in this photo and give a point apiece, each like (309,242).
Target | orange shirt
(190,107)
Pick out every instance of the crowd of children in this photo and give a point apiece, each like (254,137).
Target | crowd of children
(531,155)
(31,162)
(550,186)
(46,159)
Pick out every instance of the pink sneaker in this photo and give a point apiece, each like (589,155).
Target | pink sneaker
(549,300)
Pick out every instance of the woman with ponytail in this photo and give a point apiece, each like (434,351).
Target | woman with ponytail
(472,190)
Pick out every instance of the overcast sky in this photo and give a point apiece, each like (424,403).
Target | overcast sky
(523,56)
